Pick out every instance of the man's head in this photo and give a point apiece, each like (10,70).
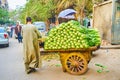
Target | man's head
(17,23)
(28,19)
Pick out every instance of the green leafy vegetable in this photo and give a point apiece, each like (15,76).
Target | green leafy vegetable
(102,68)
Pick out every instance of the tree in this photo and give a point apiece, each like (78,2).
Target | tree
(13,15)
(63,4)
(98,1)
(44,9)
(38,9)
(81,7)
(3,16)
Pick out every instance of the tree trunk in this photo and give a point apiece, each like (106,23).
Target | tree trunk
(47,25)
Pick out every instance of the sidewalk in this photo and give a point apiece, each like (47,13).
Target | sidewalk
(110,47)
(107,45)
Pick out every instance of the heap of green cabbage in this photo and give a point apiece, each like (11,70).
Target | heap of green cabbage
(71,35)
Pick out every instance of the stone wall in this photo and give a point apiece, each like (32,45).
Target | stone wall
(102,19)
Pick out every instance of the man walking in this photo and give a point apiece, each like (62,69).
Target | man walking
(18,29)
(31,49)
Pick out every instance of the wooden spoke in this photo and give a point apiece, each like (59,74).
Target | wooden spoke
(76,63)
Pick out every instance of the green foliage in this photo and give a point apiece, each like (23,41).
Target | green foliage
(44,9)
(82,7)
(3,16)
(3,13)
(98,1)
(38,10)
(102,68)
(13,16)
(89,8)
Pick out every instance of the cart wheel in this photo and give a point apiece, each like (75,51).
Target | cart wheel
(75,63)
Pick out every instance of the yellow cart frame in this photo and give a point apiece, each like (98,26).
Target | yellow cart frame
(74,61)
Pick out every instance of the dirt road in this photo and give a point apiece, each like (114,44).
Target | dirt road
(12,67)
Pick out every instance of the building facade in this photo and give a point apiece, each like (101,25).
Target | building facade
(106,18)
(4,4)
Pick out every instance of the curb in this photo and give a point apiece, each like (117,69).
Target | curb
(110,47)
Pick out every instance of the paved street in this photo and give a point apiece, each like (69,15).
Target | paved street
(12,67)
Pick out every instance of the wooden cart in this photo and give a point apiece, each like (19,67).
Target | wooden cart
(74,61)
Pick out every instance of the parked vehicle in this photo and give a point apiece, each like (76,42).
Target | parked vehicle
(40,26)
(4,38)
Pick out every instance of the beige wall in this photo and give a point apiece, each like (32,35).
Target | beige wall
(4,1)
(102,19)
